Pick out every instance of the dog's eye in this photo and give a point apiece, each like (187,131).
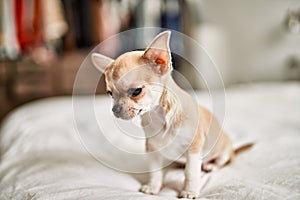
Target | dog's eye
(134,91)
(109,93)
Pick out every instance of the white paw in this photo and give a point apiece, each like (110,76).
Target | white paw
(188,194)
(150,189)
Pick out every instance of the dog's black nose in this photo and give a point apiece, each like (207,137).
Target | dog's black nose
(117,109)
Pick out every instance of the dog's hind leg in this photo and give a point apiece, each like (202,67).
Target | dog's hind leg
(218,162)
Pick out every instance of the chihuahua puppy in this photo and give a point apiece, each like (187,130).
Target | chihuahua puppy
(141,84)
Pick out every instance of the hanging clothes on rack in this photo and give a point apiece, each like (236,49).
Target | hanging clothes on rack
(171,14)
(2,46)
(29,26)
(171,19)
(109,25)
(54,24)
(9,42)
(79,15)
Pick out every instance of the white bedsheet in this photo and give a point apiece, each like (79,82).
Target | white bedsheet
(42,157)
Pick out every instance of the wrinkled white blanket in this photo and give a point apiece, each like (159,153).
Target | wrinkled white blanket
(42,157)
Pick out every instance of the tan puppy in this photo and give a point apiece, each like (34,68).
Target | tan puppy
(140,83)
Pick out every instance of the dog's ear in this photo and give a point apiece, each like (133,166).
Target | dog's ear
(158,53)
(101,62)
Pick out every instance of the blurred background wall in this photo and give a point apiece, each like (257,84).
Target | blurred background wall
(252,40)
(43,42)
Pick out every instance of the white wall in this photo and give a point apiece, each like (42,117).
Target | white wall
(247,39)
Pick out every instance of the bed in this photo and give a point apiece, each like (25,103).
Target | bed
(42,156)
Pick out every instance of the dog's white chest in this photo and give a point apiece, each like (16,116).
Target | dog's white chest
(156,129)
(164,137)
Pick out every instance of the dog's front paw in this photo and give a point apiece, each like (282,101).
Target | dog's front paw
(150,189)
(188,194)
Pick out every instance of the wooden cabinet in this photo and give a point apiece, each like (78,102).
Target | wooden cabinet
(22,81)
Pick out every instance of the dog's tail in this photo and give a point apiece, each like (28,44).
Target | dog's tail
(241,144)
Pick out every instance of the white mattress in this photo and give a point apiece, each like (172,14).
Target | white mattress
(43,158)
